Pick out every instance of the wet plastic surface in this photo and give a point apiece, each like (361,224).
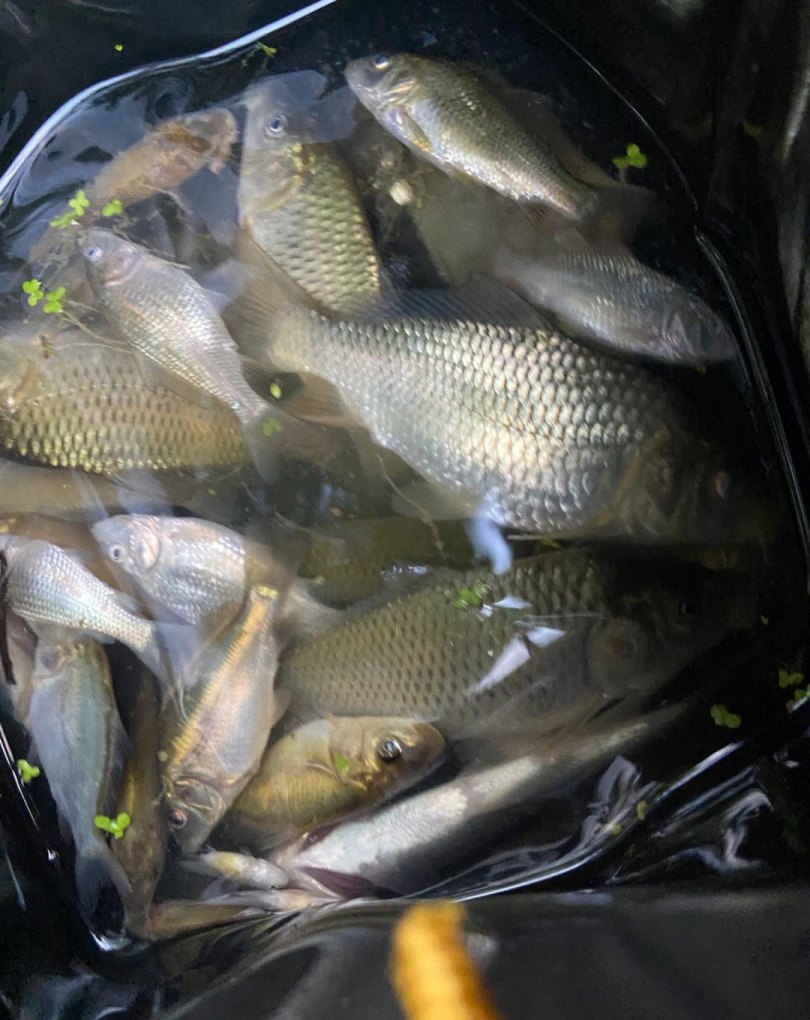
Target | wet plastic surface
(676,948)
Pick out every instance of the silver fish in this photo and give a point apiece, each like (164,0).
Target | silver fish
(82,745)
(621,304)
(48,587)
(199,572)
(168,317)
(520,424)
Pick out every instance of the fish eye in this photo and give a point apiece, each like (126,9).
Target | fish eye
(275,125)
(722,484)
(389,749)
(177,819)
(116,553)
(93,253)
(381,61)
(687,610)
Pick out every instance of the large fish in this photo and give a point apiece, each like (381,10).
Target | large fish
(621,304)
(447,114)
(69,402)
(297,200)
(329,769)
(82,746)
(557,635)
(48,587)
(217,721)
(518,423)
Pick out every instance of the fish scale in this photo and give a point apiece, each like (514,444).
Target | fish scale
(300,205)
(448,115)
(89,406)
(545,450)
(429,655)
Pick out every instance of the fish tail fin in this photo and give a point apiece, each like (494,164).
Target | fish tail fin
(96,870)
(268,292)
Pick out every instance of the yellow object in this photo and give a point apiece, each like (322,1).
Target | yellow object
(433,975)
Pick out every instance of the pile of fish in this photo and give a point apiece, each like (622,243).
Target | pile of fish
(284,680)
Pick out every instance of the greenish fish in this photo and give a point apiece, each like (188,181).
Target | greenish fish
(297,199)
(68,402)
(142,850)
(329,769)
(519,424)
(82,746)
(448,115)
(48,587)
(347,560)
(216,723)
(560,631)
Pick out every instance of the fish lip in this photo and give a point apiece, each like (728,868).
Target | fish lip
(359,78)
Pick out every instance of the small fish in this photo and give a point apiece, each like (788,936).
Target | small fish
(82,745)
(164,314)
(47,587)
(67,402)
(621,304)
(448,115)
(142,850)
(216,725)
(560,630)
(297,199)
(329,769)
(172,152)
(510,420)
(167,156)
(406,846)
(347,559)
(199,572)
(191,570)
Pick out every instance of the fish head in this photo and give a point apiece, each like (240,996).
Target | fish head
(384,753)
(131,543)
(664,613)
(109,259)
(693,333)
(194,805)
(388,85)
(682,488)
